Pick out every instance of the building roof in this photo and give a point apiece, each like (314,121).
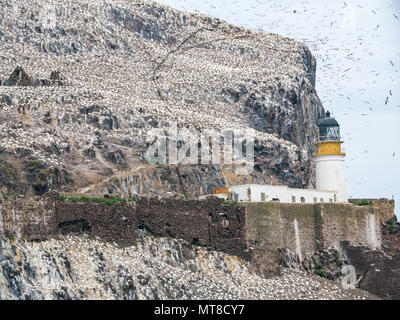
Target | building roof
(328,121)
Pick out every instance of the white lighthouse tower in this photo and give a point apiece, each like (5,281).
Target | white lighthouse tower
(330,174)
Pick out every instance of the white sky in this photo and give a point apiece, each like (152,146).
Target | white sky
(354,43)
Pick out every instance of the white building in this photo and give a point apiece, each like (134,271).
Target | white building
(266,193)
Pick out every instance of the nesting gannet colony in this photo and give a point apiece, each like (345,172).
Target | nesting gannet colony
(123,68)
(156,268)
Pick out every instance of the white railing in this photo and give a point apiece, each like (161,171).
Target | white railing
(327,139)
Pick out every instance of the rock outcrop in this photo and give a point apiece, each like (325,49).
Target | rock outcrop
(75,267)
(19,78)
(134,66)
(380,272)
(376,271)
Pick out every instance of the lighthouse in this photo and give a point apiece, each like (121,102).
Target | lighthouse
(330,173)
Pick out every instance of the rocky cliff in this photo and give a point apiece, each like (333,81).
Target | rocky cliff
(87,80)
(75,267)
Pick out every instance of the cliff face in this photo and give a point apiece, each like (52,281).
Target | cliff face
(97,76)
(163,268)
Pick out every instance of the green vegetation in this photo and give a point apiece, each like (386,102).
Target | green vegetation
(10,193)
(390,225)
(111,200)
(227,202)
(9,170)
(319,271)
(364,203)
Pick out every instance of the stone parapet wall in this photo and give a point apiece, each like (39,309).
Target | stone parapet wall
(359,225)
(385,206)
(273,225)
(305,228)
(211,223)
(234,228)
(27,216)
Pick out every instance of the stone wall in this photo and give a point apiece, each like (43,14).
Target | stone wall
(211,223)
(234,228)
(280,225)
(357,224)
(385,206)
(19,217)
(305,228)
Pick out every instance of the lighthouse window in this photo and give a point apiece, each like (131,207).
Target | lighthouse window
(330,200)
(303,200)
(315,200)
(321,200)
(262,196)
(329,133)
(333,133)
(293,199)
